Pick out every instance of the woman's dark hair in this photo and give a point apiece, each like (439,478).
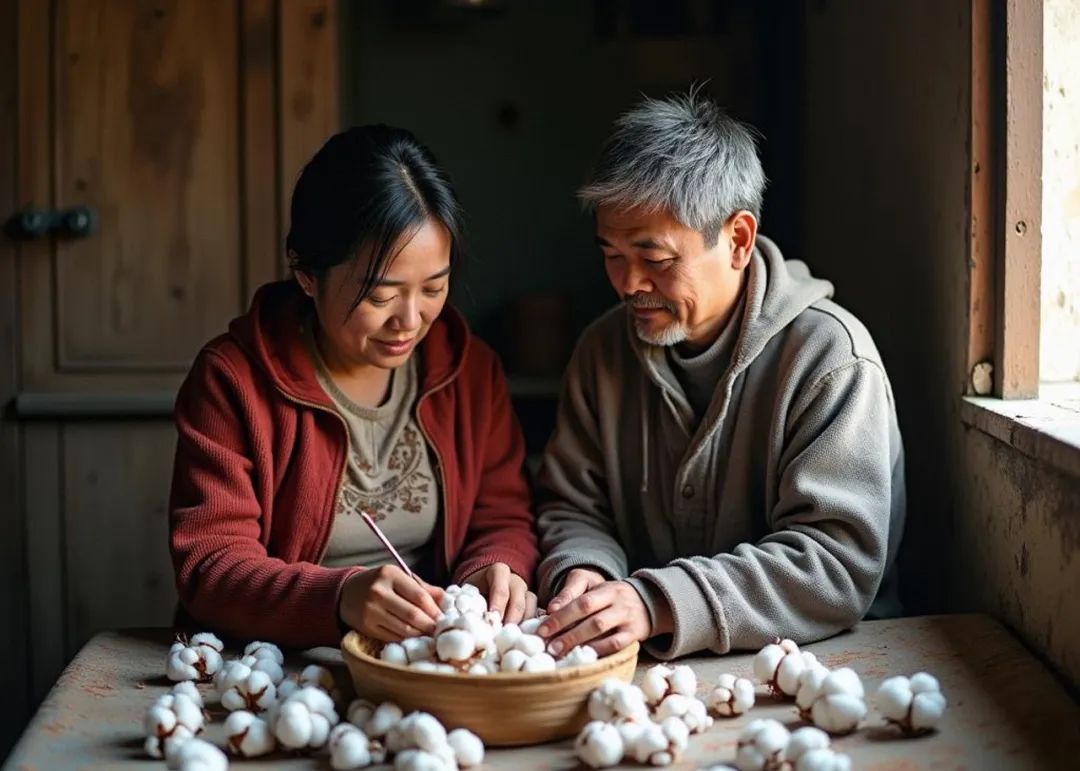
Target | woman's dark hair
(367,187)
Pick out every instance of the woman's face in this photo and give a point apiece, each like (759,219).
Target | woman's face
(385,328)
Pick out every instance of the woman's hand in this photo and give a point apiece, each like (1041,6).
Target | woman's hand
(506,592)
(386,604)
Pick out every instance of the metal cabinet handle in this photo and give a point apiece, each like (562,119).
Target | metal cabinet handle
(76,222)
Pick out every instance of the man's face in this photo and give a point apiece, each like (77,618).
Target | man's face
(679,288)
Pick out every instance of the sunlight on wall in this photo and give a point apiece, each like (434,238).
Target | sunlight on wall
(1060,338)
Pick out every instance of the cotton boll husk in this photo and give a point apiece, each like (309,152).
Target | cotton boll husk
(248,735)
(823,760)
(419,648)
(467,746)
(513,660)
(805,739)
(196,755)
(927,709)
(893,698)
(394,653)
(190,690)
(530,644)
(541,662)
(349,748)
(599,745)
(385,717)
(838,713)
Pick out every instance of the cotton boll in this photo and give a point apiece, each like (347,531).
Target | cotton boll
(349,748)
(804,740)
(810,682)
(470,603)
(530,644)
(267,664)
(541,662)
(732,695)
(319,677)
(230,675)
(455,645)
(451,619)
(765,663)
(789,670)
(255,693)
(688,709)
(419,760)
(359,713)
(419,648)
(189,689)
(190,661)
(426,732)
(893,699)
(292,725)
(208,640)
(660,744)
(305,719)
(840,706)
(385,717)
(160,747)
(506,638)
(394,653)
(923,682)
(617,700)
(761,746)
(249,735)
(682,680)
(260,649)
(599,745)
(530,625)
(655,683)
(823,760)
(927,709)
(467,746)
(196,755)
(578,656)
(513,661)
(838,713)
(482,631)
(171,716)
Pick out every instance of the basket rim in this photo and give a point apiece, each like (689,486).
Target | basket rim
(351,648)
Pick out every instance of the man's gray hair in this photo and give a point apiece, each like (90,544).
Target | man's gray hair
(683,155)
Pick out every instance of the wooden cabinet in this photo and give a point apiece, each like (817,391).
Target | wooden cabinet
(181,125)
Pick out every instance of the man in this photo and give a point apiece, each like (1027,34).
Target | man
(726,466)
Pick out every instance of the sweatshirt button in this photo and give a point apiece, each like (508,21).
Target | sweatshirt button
(688,491)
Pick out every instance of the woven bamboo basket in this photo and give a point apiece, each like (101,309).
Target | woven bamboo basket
(505,709)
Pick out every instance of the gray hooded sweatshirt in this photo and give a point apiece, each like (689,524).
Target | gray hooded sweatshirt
(778,513)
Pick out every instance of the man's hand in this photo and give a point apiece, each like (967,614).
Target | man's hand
(577,582)
(506,592)
(608,616)
(385,603)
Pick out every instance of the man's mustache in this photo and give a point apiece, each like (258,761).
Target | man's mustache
(648,301)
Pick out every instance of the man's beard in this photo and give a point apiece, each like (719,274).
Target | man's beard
(673,334)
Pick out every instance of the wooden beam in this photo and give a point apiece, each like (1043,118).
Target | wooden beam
(1020,245)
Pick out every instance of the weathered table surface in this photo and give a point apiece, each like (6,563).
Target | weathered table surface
(1005,709)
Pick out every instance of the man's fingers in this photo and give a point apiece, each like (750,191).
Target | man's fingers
(593,627)
(612,643)
(593,601)
(515,608)
(575,585)
(530,605)
(498,588)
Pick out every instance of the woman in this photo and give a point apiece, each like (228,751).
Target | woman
(353,387)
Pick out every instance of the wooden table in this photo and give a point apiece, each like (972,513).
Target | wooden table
(1005,709)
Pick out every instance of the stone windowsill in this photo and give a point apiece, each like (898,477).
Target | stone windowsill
(1046,429)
